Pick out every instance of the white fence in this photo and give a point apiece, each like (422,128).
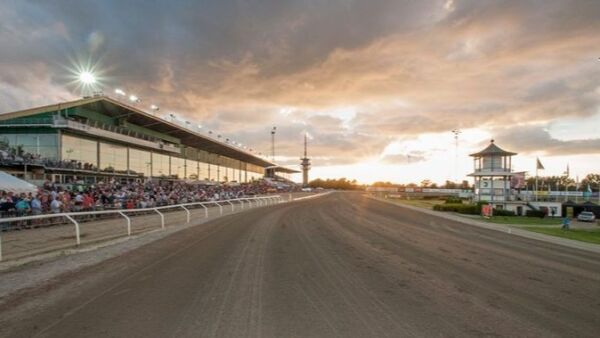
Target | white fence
(160,211)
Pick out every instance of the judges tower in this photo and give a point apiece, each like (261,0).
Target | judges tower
(493,171)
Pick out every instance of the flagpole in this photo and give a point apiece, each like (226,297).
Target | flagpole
(536,178)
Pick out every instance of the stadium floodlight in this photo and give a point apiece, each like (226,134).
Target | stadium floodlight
(87,78)
(119,92)
(154,107)
(199,126)
(134,98)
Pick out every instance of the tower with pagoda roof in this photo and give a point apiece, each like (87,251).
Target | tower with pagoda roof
(492,173)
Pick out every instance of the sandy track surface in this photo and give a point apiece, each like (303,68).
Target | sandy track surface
(340,265)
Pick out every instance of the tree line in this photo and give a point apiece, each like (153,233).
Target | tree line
(564,183)
(560,183)
(338,184)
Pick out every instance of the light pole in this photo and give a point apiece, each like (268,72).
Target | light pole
(273,143)
(456,132)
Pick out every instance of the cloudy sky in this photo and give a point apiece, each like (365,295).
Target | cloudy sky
(379,85)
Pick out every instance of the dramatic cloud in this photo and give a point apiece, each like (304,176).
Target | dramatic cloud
(357,75)
(533,139)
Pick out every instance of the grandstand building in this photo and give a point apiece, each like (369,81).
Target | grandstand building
(99,137)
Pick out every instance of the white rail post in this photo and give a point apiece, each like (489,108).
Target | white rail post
(128,222)
(205,210)
(77,233)
(162,218)
(220,208)
(241,203)
(188,213)
(290,197)
(249,202)
(0,248)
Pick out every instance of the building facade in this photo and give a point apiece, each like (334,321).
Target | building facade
(94,138)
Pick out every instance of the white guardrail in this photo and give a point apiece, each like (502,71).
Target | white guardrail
(70,216)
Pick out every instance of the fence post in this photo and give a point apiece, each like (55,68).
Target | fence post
(162,218)
(241,203)
(205,210)
(232,207)
(77,233)
(128,222)
(249,202)
(220,208)
(0,248)
(188,213)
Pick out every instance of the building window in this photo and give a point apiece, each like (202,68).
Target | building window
(177,167)
(160,165)
(42,146)
(140,162)
(76,149)
(113,157)
(191,170)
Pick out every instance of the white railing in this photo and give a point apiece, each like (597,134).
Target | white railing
(71,216)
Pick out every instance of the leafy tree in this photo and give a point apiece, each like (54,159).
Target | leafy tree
(339,184)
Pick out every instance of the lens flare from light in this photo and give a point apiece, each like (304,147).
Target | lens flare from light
(85,74)
(87,78)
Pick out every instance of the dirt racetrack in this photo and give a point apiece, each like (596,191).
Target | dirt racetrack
(341,265)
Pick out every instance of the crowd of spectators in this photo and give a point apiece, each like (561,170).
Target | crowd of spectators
(112,195)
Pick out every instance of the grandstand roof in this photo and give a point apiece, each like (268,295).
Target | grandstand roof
(281,169)
(115,108)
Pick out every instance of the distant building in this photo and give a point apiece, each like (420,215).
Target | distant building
(492,173)
(498,184)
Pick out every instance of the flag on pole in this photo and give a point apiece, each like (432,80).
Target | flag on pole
(539,165)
